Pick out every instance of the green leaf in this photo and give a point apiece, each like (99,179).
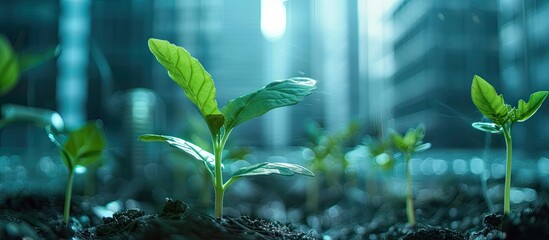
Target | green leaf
(9,67)
(526,110)
(189,74)
(267,168)
(412,141)
(30,60)
(85,145)
(274,95)
(398,142)
(488,127)
(195,151)
(488,102)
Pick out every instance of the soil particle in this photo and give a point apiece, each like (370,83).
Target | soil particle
(493,221)
(120,220)
(434,234)
(173,209)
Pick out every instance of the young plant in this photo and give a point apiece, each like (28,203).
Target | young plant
(82,147)
(327,157)
(410,143)
(199,88)
(503,116)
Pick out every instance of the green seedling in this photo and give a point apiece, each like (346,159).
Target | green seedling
(503,116)
(199,88)
(378,149)
(327,153)
(198,133)
(12,64)
(82,147)
(410,143)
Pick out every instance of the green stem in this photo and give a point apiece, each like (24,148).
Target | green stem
(68,194)
(219,144)
(312,193)
(218,183)
(508,164)
(409,196)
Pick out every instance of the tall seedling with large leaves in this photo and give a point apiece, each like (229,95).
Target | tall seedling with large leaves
(503,116)
(199,88)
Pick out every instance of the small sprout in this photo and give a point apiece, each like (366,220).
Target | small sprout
(82,147)
(410,143)
(199,88)
(327,154)
(503,116)
(379,151)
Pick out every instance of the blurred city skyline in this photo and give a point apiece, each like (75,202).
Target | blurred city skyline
(388,64)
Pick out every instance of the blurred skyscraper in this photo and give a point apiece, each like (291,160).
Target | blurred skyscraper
(524,60)
(438,47)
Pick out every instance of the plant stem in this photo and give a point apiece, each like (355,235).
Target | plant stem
(312,193)
(218,183)
(68,194)
(409,196)
(508,164)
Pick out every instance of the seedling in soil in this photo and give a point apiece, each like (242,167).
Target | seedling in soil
(378,149)
(327,153)
(199,88)
(410,143)
(82,147)
(503,116)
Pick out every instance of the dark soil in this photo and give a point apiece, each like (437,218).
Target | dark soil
(175,221)
(454,217)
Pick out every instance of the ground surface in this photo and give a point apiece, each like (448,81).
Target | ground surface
(458,214)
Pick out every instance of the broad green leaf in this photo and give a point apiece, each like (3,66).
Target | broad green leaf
(274,95)
(189,74)
(267,168)
(526,110)
(195,151)
(30,60)
(85,145)
(487,100)
(9,67)
(488,127)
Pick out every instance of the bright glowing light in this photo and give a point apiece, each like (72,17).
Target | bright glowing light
(273,19)
(80,169)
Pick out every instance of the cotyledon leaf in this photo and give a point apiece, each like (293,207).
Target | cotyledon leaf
(488,127)
(189,74)
(195,151)
(274,95)
(487,100)
(526,109)
(268,168)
